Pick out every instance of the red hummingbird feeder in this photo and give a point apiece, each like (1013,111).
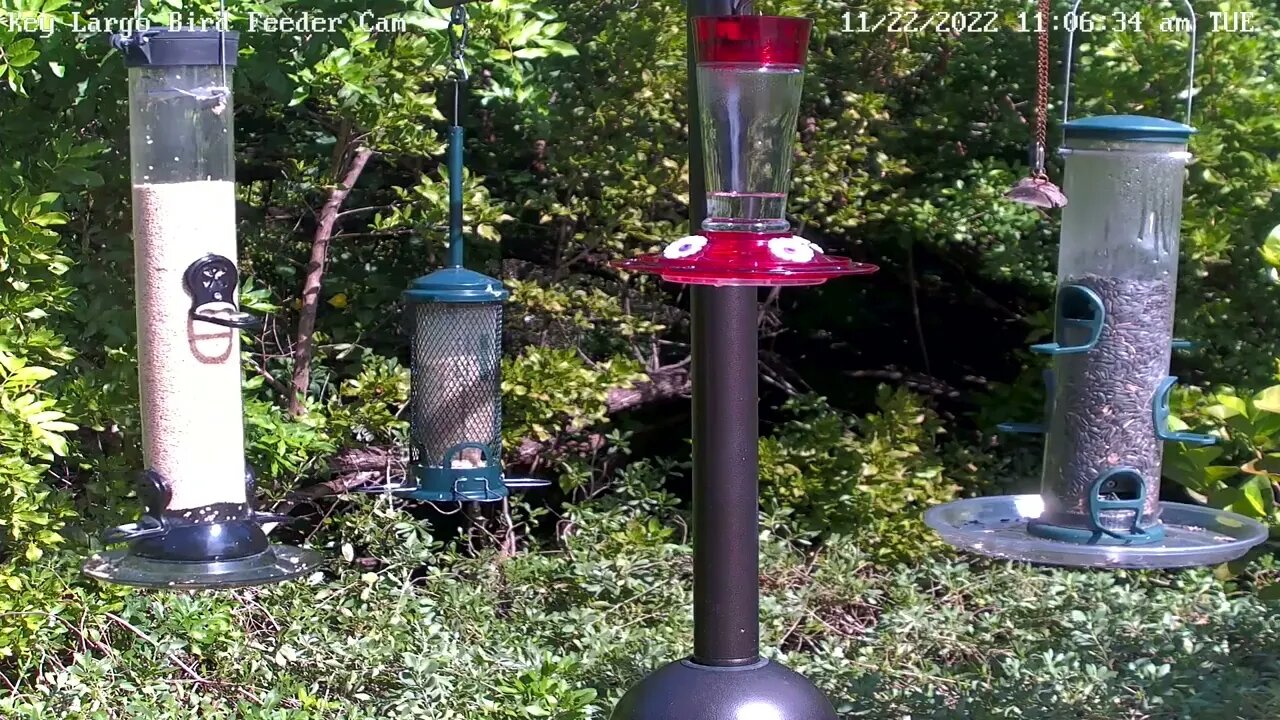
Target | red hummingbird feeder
(750,72)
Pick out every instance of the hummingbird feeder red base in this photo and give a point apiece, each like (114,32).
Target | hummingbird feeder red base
(745,258)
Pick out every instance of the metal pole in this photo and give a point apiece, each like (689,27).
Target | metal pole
(455,193)
(726,552)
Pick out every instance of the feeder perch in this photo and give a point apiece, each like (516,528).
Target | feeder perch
(1099,503)
(199,528)
(750,71)
(1039,428)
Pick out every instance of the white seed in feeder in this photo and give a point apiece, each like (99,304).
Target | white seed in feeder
(189,371)
(468,459)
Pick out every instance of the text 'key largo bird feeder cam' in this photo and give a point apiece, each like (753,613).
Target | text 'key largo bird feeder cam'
(745,83)
(456,353)
(199,528)
(1108,404)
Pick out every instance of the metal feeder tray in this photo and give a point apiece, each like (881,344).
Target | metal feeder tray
(997,527)
(276,564)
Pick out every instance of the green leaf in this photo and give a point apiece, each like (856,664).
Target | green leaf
(1218,473)
(560,47)
(527,32)
(1258,496)
(1271,248)
(1224,410)
(1268,400)
(31,373)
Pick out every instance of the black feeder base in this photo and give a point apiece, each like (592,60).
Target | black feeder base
(275,564)
(685,690)
(215,546)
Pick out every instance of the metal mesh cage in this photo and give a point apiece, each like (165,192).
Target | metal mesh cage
(456,386)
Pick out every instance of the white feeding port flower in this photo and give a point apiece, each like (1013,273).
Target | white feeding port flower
(793,249)
(684,247)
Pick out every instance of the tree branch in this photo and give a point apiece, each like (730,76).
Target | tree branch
(305,347)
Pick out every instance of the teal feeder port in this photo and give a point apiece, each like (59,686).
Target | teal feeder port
(1079,322)
(1107,414)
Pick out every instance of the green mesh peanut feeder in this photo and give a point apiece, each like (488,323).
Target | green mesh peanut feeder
(456,429)
(455,318)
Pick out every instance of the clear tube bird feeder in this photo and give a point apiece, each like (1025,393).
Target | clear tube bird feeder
(1108,402)
(199,527)
(750,73)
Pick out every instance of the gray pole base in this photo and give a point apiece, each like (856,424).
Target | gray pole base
(277,564)
(684,690)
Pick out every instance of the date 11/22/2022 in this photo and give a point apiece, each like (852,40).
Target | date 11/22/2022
(1029,21)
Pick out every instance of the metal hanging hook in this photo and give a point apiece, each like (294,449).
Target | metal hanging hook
(1191,70)
(459,34)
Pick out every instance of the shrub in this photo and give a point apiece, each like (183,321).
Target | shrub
(870,478)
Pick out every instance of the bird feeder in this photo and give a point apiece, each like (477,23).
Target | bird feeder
(750,72)
(199,527)
(1108,405)
(744,94)
(456,428)
(456,375)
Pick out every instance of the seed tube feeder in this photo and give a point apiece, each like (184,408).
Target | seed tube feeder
(1108,391)
(750,72)
(199,527)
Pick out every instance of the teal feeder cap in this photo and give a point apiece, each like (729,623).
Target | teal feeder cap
(1128,128)
(456,285)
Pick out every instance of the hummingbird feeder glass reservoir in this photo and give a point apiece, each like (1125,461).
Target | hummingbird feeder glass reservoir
(1108,403)
(750,73)
(199,527)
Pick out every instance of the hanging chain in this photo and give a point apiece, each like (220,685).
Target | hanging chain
(1042,92)
(1036,189)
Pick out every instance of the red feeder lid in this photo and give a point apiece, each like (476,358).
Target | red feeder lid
(755,39)
(741,258)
